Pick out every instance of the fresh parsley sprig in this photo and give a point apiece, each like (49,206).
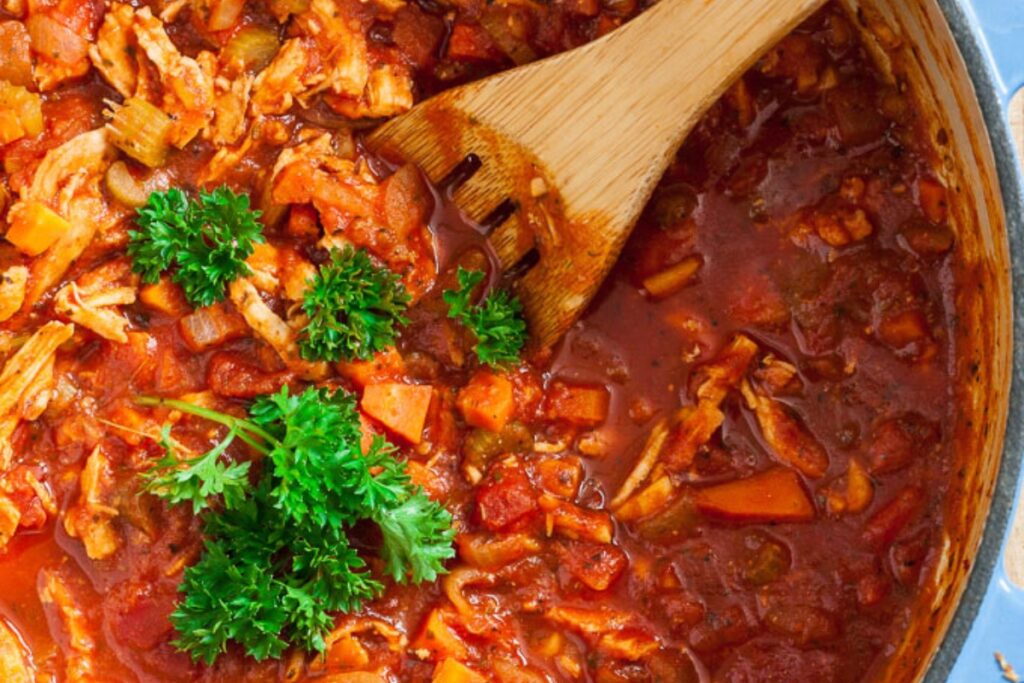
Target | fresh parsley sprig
(496,322)
(278,561)
(354,307)
(202,244)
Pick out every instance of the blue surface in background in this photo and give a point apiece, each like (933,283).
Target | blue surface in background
(998,27)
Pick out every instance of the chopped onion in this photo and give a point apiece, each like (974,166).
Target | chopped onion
(124,187)
(15,53)
(223,14)
(282,8)
(674,278)
(21,113)
(55,41)
(211,326)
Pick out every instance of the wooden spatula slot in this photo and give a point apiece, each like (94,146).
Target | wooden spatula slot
(560,156)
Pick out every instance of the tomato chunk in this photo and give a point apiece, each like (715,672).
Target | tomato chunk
(505,497)
(886,524)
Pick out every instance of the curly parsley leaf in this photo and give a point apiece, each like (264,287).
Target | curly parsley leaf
(417,537)
(202,244)
(278,562)
(266,584)
(196,480)
(353,306)
(496,322)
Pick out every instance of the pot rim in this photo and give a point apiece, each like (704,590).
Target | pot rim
(989,96)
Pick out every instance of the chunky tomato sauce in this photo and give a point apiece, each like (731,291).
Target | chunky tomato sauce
(732,469)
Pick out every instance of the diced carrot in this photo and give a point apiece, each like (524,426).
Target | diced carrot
(886,524)
(347,653)
(21,113)
(164,296)
(672,279)
(577,404)
(402,408)
(454,671)
(367,432)
(437,639)
(775,495)
(302,221)
(10,127)
(560,476)
(385,365)
(433,483)
(35,228)
(471,43)
(859,489)
(265,258)
(932,196)
(486,401)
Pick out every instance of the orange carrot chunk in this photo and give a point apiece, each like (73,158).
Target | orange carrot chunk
(35,228)
(454,671)
(437,640)
(402,408)
(384,365)
(775,495)
(486,401)
(578,404)
(932,196)
(164,296)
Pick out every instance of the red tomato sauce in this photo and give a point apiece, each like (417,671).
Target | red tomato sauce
(783,316)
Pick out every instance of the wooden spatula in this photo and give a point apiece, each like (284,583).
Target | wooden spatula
(564,153)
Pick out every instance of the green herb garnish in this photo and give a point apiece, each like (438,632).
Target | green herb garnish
(202,243)
(278,561)
(496,322)
(353,307)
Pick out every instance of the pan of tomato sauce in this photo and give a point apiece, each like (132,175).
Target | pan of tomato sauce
(767,452)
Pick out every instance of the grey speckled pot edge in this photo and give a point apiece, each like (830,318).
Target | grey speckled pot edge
(1012,185)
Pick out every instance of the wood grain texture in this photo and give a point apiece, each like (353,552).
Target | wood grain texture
(598,125)
(1015,548)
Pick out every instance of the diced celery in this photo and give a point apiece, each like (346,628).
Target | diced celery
(252,48)
(141,131)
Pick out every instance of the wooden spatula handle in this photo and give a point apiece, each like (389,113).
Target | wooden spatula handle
(638,91)
(600,125)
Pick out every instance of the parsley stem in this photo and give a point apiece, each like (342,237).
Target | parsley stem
(244,429)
